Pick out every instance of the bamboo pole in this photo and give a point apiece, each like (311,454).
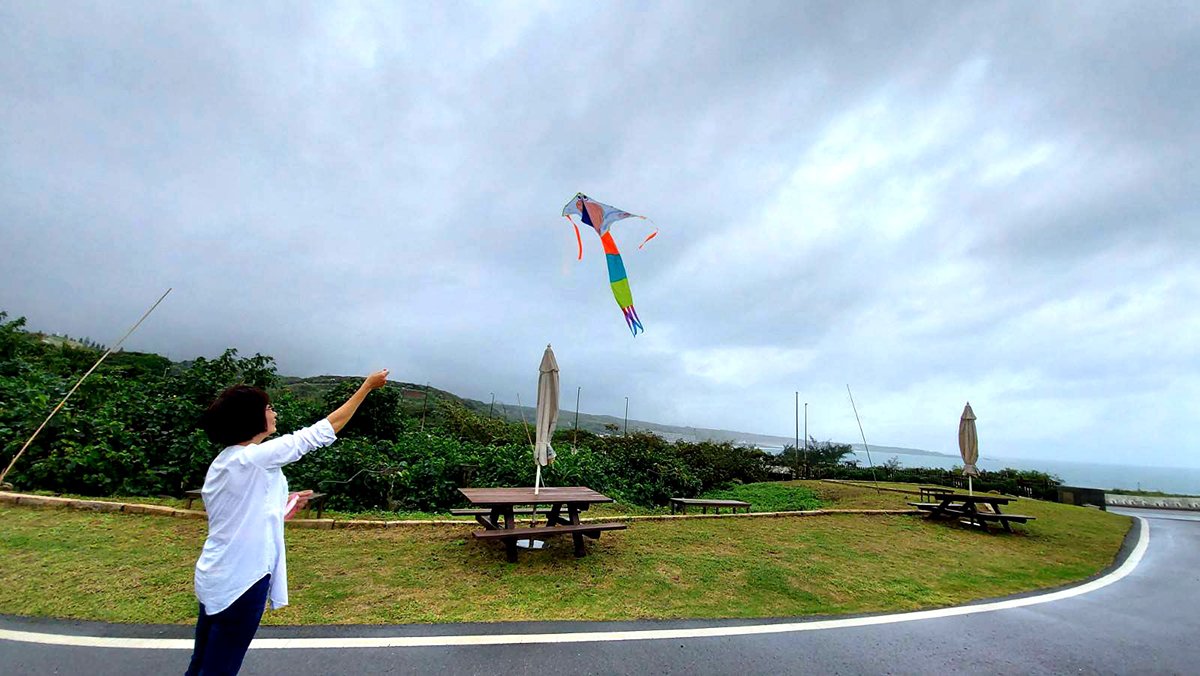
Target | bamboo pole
(77,384)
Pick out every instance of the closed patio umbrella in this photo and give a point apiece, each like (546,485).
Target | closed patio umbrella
(547,414)
(968,445)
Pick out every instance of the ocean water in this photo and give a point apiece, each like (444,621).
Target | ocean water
(1183,480)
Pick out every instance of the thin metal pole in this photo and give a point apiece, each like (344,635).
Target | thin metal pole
(576,437)
(864,438)
(423,403)
(796,448)
(89,372)
(806,440)
(626,432)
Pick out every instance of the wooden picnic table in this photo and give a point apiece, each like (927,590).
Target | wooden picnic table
(966,509)
(500,520)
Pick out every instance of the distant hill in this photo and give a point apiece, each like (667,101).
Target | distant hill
(414,394)
(413,398)
(894,450)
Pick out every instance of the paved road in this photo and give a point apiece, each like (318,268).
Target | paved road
(1145,623)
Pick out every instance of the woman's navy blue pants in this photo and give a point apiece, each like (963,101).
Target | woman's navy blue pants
(223,639)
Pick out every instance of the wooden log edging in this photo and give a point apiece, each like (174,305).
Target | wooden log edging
(50,502)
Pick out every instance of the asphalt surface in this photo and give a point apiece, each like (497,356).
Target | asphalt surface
(1144,623)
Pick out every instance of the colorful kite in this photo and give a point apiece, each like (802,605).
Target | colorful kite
(601,217)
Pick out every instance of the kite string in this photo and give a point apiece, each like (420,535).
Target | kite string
(864,438)
(382,470)
(525,425)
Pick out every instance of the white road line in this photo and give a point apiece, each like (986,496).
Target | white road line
(1126,568)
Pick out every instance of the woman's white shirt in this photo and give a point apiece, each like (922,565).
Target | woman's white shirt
(245,493)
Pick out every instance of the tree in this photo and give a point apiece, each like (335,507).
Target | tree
(821,454)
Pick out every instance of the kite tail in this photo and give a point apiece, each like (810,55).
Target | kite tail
(580,241)
(631,319)
(620,283)
(651,235)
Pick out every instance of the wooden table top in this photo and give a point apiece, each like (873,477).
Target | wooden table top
(954,497)
(525,495)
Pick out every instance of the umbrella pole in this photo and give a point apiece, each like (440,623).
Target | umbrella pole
(537,480)
(970,488)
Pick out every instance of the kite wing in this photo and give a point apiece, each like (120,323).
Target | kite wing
(601,217)
(596,214)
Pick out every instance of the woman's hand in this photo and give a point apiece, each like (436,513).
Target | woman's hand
(341,416)
(301,502)
(376,380)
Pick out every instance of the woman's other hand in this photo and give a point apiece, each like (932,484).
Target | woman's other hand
(301,502)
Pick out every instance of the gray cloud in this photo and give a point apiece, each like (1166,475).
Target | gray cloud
(933,202)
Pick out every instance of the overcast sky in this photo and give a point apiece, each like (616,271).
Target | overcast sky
(934,203)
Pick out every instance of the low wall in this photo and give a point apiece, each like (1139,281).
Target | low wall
(1117,500)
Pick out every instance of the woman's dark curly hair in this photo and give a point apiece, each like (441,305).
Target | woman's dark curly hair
(238,414)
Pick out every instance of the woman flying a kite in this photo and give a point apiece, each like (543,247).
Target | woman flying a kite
(601,217)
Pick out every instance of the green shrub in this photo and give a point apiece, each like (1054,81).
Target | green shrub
(131,429)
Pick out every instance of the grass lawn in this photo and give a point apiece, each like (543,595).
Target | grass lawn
(138,568)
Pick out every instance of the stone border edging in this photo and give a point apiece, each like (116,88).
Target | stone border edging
(46,501)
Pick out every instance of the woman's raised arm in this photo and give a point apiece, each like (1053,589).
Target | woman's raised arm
(342,415)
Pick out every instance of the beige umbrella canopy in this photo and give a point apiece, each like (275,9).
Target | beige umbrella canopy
(547,413)
(968,444)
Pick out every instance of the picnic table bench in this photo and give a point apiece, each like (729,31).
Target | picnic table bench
(496,512)
(315,501)
(966,509)
(682,504)
(578,531)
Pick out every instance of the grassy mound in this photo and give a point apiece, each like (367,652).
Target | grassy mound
(100,566)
